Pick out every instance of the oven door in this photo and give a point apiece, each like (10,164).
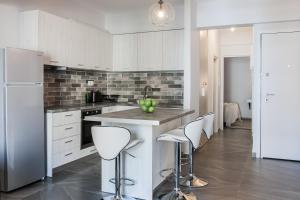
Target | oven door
(86,133)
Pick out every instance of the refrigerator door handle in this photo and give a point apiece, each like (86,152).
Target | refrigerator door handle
(24,84)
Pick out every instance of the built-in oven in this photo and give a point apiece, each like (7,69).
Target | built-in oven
(86,132)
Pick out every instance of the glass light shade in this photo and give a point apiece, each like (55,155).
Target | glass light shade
(161,13)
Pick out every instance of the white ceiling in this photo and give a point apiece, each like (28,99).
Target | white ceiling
(97,6)
(89,11)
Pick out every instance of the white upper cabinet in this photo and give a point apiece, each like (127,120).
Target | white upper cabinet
(173,44)
(89,48)
(150,48)
(77,45)
(107,51)
(149,51)
(125,53)
(66,42)
(41,31)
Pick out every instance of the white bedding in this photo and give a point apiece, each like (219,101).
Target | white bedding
(232,113)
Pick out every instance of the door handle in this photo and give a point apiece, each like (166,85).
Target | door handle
(270,94)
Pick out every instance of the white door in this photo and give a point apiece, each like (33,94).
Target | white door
(280,111)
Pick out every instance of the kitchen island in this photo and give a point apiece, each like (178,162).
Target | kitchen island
(150,157)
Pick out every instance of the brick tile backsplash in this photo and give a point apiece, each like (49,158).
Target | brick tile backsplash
(167,86)
(65,87)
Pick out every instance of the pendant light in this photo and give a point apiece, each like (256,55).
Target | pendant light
(161,13)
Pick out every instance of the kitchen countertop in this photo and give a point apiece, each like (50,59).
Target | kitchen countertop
(137,116)
(65,108)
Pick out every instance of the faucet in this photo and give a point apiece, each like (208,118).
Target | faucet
(147,88)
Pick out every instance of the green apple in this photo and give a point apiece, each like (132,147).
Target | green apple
(151,109)
(154,103)
(145,108)
(148,102)
(142,102)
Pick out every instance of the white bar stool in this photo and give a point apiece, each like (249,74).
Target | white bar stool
(208,125)
(194,136)
(124,180)
(110,142)
(191,180)
(190,133)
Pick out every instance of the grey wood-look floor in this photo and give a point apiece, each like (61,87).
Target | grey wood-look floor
(225,162)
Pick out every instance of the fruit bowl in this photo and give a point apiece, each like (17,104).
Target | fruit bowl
(147,105)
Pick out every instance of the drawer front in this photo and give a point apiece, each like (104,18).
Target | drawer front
(61,159)
(64,118)
(65,145)
(61,132)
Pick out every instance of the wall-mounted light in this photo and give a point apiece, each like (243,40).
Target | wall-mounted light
(161,13)
(203,88)
(232,29)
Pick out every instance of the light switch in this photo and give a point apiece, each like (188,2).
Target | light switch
(90,82)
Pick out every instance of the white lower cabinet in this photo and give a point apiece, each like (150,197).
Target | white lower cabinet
(64,139)
(65,150)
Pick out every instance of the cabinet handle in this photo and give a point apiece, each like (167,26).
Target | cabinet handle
(69,128)
(93,150)
(68,141)
(68,154)
(69,115)
(80,65)
(97,67)
(54,61)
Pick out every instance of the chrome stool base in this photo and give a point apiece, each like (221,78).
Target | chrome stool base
(193,182)
(113,197)
(178,195)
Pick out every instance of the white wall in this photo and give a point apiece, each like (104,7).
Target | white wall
(216,13)
(203,72)
(79,14)
(213,87)
(8,26)
(191,58)
(73,9)
(237,83)
(138,21)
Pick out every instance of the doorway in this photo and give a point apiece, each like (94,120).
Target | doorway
(226,52)
(237,93)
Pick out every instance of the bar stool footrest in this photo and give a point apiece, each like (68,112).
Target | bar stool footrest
(166,170)
(124,181)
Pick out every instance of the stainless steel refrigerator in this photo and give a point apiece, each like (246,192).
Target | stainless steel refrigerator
(22,135)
